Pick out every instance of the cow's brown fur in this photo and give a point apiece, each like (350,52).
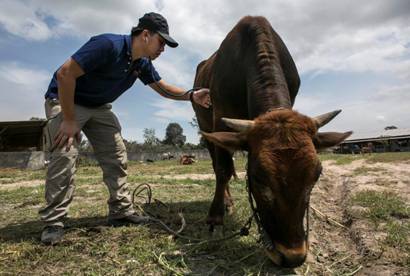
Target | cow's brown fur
(252,76)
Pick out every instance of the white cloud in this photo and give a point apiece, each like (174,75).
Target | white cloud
(353,36)
(378,50)
(133,134)
(172,110)
(23,89)
(367,113)
(393,94)
(350,36)
(23,20)
(381,118)
(30,79)
(175,68)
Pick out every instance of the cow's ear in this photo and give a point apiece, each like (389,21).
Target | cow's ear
(230,141)
(329,139)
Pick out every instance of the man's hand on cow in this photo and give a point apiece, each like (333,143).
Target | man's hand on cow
(202,97)
(68,131)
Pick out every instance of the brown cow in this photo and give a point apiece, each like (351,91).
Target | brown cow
(253,79)
(187,159)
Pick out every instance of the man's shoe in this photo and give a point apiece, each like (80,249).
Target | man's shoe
(52,235)
(128,220)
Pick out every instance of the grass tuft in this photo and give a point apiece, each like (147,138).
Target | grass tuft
(390,215)
(381,205)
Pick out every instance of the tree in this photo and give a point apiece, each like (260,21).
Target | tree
(37,119)
(202,141)
(131,146)
(85,145)
(174,136)
(194,123)
(390,127)
(149,137)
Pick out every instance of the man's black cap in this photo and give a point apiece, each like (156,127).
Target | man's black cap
(156,23)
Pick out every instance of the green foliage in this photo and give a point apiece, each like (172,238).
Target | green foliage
(85,160)
(390,214)
(132,146)
(174,135)
(149,137)
(37,119)
(202,141)
(382,157)
(85,145)
(194,123)
(398,234)
(388,157)
(366,170)
(341,159)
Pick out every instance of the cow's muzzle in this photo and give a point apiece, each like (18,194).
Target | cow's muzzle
(287,257)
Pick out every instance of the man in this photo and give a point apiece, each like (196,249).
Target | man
(78,99)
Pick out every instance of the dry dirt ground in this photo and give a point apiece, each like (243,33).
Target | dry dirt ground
(340,235)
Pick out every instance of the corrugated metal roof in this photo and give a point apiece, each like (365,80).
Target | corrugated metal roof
(379,135)
(18,124)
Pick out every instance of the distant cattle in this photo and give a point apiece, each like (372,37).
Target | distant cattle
(187,159)
(253,82)
(167,156)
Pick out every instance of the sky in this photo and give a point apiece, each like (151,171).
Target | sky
(352,55)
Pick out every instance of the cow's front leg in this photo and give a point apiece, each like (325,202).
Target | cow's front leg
(223,167)
(217,210)
(228,201)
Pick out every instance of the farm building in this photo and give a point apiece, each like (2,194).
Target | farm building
(22,143)
(390,140)
(21,135)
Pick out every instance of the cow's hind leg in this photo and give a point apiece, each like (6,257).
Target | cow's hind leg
(223,167)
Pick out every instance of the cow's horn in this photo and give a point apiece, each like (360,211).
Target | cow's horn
(238,125)
(323,119)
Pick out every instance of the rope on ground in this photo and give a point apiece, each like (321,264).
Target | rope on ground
(327,218)
(244,231)
(355,271)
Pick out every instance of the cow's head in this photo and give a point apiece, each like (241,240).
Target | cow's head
(283,167)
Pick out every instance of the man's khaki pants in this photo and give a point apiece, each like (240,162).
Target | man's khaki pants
(103,131)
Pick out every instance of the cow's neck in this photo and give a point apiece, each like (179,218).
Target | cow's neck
(266,95)
(266,83)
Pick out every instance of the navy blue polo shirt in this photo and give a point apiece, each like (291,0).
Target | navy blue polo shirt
(109,70)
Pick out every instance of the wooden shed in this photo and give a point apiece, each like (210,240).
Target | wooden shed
(22,135)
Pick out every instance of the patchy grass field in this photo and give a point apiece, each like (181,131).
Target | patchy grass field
(359,223)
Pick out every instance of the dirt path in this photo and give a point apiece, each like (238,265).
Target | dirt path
(340,244)
(20,184)
(332,250)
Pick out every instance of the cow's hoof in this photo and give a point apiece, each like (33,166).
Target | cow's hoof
(214,221)
(216,230)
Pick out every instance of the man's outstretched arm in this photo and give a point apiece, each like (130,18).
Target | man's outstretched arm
(200,96)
